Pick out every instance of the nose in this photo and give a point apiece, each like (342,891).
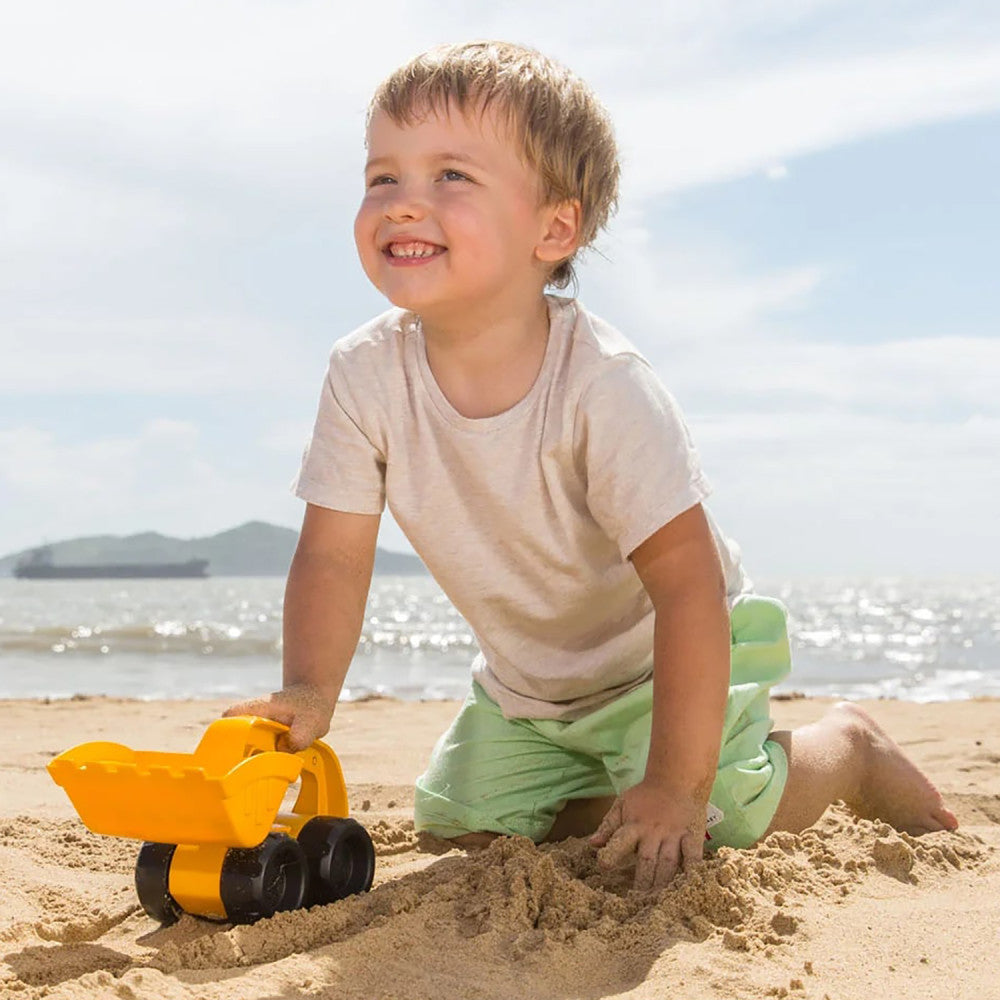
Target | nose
(404,204)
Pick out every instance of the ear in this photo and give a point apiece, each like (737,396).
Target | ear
(561,233)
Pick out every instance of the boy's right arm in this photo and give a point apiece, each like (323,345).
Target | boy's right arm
(324,610)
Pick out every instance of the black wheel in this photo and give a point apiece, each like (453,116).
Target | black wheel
(341,858)
(152,880)
(260,881)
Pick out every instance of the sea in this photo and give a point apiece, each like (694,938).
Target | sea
(913,639)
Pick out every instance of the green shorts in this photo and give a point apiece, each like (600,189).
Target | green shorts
(513,776)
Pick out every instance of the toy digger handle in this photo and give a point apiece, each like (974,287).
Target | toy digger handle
(260,735)
(322,792)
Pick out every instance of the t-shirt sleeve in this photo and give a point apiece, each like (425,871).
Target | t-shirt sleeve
(342,468)
(641,466)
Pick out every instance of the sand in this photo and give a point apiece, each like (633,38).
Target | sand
(848,909)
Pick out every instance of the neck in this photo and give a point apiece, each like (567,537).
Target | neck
(486,365)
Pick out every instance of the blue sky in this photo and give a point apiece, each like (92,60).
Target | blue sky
(806,250)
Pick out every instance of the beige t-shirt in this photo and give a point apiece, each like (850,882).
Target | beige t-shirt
(525,519)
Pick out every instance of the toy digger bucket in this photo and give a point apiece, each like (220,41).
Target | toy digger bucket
(227,792)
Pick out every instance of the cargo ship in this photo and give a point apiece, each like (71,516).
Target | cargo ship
(39,566)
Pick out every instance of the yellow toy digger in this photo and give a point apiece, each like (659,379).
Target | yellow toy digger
(216,845)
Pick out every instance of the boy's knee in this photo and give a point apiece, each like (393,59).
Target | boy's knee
(852,721)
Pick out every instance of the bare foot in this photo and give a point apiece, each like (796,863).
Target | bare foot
(892,788)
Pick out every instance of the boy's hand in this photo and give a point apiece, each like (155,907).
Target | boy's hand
(301,707)
(665,830)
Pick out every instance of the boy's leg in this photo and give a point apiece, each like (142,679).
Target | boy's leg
(578,818)
(751,773)
(490,775)
(847,756)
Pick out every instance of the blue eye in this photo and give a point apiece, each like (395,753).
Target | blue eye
(381,179)
(453,175)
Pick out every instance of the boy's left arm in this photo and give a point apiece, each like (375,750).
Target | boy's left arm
(662,818)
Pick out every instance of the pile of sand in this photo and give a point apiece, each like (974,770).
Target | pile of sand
(845,909)
(512,920)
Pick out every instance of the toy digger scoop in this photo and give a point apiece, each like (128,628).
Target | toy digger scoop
(216,844)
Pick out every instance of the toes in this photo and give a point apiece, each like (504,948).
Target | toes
(934,822)
(947,819)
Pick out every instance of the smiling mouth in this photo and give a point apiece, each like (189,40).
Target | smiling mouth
(412,250)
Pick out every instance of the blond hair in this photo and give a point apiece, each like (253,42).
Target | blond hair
(563,131)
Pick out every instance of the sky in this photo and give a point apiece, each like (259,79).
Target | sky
(806,250)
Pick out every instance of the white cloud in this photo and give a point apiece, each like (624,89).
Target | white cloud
(672,292)
(256,90)
(288,438)
(35,460)
(718,332)
(846,493)
(163,475)
(271,97)
(138,138)
(186,354)
(931,376)
(92,213)
(843,457)
(714,129)
(141,139)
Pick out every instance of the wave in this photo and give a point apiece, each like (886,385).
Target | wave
(210,639)
(917,640)
(147,640)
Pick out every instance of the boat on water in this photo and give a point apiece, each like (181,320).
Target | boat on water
(38,565)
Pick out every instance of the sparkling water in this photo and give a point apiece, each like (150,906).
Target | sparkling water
(221,637)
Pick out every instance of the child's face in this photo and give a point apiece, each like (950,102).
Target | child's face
(451,216)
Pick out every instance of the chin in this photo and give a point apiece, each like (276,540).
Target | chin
(410,302)
(420,301)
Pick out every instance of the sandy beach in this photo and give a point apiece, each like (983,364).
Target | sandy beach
(848,909)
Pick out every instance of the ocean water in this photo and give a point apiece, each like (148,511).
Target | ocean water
(920,640)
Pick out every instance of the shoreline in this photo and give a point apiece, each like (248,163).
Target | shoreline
(792,917)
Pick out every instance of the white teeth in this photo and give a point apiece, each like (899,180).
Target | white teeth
(410,250)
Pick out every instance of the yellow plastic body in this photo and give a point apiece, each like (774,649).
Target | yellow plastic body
(228,792)
(195,871)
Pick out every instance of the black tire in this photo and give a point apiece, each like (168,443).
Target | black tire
(341,858)
(260,881)
(152,881)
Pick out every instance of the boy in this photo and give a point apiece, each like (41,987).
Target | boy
(547,480)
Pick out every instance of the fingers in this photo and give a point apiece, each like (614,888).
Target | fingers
(242,708)
(692,849)
(619,847)
(658,860)
(303,730)
(668,864)
(264,707)
(299,707)
(663,838)
(612,820)
(274,710)
(645,868)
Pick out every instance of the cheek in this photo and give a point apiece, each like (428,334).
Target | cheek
(486,233)
(365,227)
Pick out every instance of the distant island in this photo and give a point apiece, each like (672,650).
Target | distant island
(253,549)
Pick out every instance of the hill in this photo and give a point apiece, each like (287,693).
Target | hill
(252,549)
